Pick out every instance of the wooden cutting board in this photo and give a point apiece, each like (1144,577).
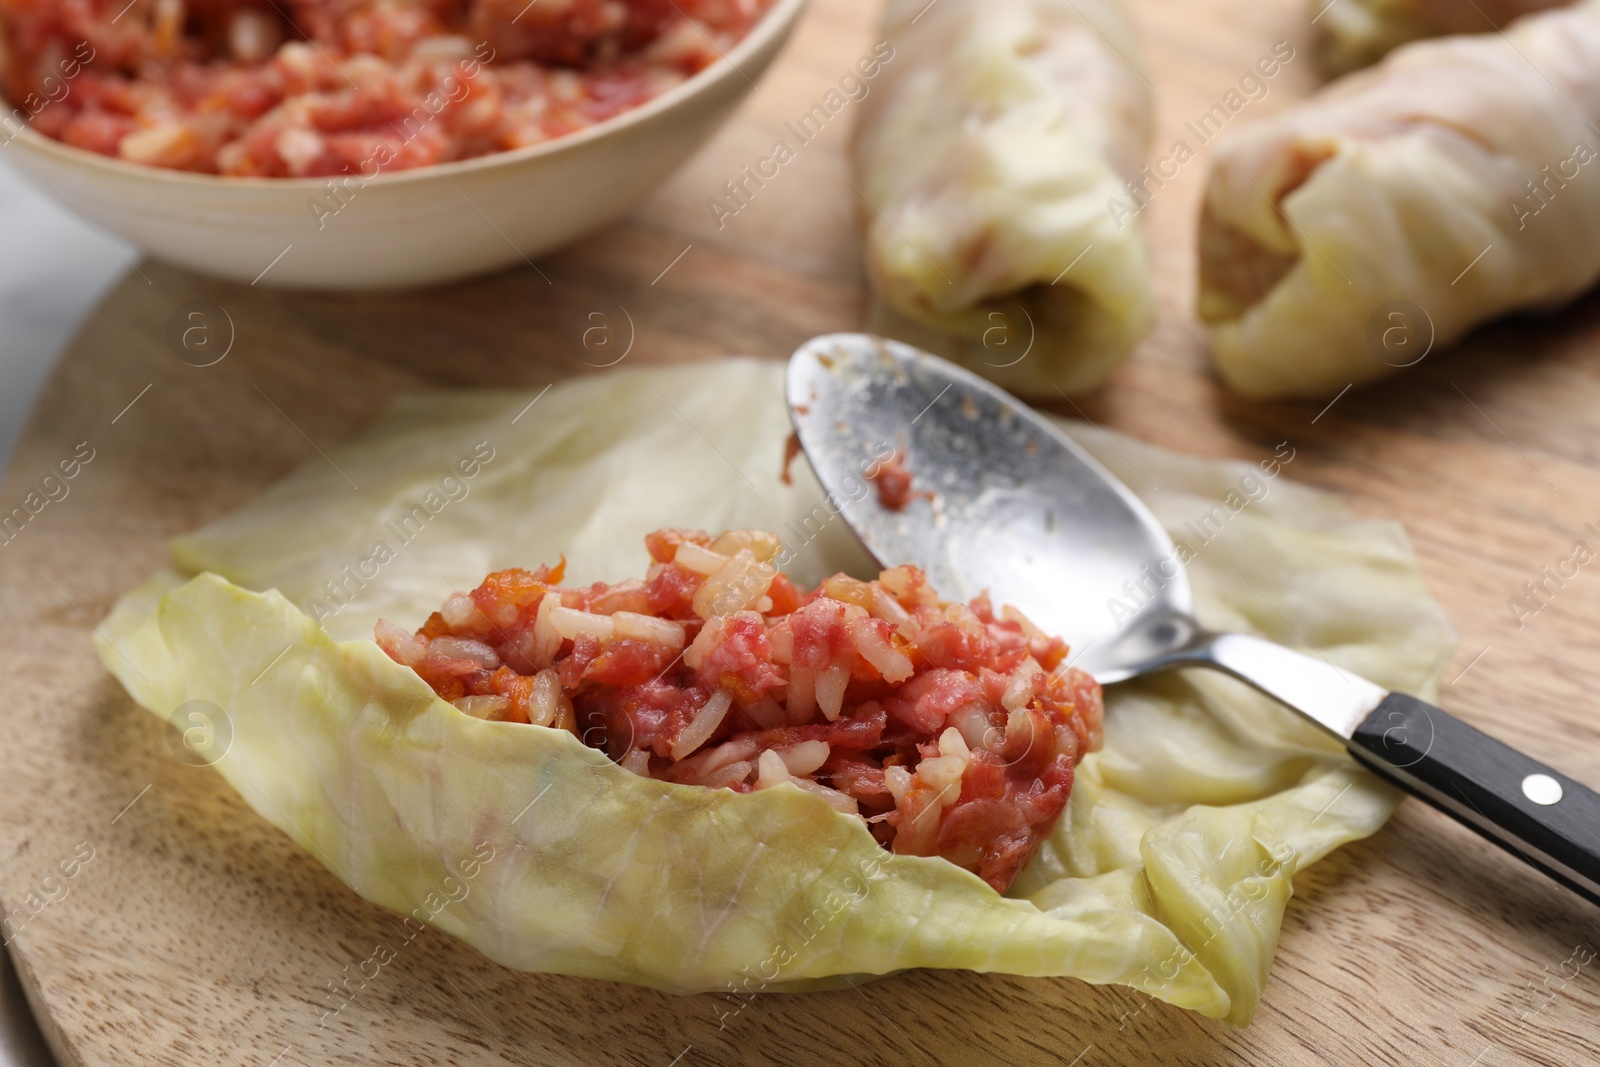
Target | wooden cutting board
(198,934)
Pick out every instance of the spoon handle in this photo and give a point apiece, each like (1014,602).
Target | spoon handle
(1510,798)
(1526,808)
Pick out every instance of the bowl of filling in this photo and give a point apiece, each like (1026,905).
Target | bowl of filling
(361,144)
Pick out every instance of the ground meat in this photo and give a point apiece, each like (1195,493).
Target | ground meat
(950,730)
(893,480)
(791,449)
(322,88)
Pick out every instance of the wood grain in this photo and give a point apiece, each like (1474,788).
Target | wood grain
(198,934)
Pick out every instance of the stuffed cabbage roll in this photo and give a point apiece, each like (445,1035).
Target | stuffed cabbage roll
(1354,33)
(987,156)
(1347,236)
(1168,868)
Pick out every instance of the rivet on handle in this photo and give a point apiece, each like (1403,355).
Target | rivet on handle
(1541,789)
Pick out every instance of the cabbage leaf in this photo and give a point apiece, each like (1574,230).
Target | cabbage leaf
(1170,872)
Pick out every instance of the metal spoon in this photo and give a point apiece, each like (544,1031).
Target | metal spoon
(1015,507)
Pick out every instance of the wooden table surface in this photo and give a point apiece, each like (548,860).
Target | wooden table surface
(198,934)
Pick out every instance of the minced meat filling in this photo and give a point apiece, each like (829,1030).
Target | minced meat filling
(951,729)
(324,88)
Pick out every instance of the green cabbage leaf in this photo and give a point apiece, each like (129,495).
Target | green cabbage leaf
(1169,873)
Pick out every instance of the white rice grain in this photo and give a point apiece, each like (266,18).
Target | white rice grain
(462,648)
(663,632)
(831,684)
(771,770)
(804,758)
(459,610)
(1022,686)
(888,608)
(976,729)
(546,641)
(724,755)
(703,725)
(484,707)
(738,585)
(840,801)
(893,664)
(802,694)
(782,637)
(544,699)
(762,544)
(943,773)
(570,622)
(767,714)
(698,558)
(951,743)
(405,646)
(729,776)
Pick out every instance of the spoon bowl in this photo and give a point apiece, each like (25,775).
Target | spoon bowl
(1004,501)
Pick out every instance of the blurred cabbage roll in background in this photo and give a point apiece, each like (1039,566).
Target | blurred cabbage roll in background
(1456,181)
(1355,33)
(987,156)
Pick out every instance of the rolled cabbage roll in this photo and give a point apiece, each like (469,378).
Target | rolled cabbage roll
(986,156)
(1169,871)
(1350,235)
(1355,33)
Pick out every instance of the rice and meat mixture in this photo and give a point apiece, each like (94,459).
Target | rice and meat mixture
(952,730)
(313,88)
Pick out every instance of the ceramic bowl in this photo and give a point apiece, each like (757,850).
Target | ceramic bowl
(410,228)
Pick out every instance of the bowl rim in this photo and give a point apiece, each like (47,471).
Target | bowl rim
(771,27)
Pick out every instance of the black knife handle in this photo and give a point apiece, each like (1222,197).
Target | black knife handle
(1510,798)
